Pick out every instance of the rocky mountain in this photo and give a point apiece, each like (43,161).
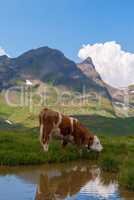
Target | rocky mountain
(51,66)
(88,68)
(6,73)
(122,99)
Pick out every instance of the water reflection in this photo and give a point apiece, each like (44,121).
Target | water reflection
(72,181)
(78,182)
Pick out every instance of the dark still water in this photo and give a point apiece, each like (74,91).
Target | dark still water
(72,181)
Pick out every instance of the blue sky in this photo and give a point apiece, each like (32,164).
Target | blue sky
(65,24)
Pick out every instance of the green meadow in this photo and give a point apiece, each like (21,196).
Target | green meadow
(19,142)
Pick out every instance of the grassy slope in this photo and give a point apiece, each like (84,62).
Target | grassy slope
(24,148)
(19,144)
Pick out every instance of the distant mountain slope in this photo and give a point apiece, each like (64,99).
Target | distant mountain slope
(88,68)
(49,66)
(122,99)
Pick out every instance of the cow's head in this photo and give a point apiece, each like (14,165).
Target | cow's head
(93,143)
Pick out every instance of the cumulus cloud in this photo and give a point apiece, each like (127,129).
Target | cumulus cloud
(2,52)
(115,65)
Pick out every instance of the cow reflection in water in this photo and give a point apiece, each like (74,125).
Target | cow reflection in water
(72,183)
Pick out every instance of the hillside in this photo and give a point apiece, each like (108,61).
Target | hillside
(47,65)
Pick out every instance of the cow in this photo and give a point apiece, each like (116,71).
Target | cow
(67,129)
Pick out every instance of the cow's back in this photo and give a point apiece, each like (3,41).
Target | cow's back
(48,116)
(66,126)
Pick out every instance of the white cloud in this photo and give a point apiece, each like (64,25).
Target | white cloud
(115,66)
(2,52)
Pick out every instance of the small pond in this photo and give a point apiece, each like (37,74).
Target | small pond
(70,181)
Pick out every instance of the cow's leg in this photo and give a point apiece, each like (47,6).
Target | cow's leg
(78,143)
(68,139)
(66,136)
(41,125)
(46,137)
(64,143)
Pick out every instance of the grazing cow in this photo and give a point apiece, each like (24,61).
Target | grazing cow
(68,129)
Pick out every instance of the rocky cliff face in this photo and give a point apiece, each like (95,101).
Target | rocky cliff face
(88,68)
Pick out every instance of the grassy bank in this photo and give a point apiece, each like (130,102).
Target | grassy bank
(24,149)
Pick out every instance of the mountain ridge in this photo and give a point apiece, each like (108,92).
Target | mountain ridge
(45,63)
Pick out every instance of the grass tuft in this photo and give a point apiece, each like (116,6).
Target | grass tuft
(126,178)
(110,164)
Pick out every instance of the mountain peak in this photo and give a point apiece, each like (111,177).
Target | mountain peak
(2,57)
(88,60)
(88,68)
(41,51)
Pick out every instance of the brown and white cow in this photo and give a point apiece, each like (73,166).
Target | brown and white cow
(68,129)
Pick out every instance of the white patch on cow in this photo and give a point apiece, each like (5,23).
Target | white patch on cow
(41,133)
(76,120)
(56,130)
(56,125)
(45,147)
(96,146)
(60,119)
(72,123)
